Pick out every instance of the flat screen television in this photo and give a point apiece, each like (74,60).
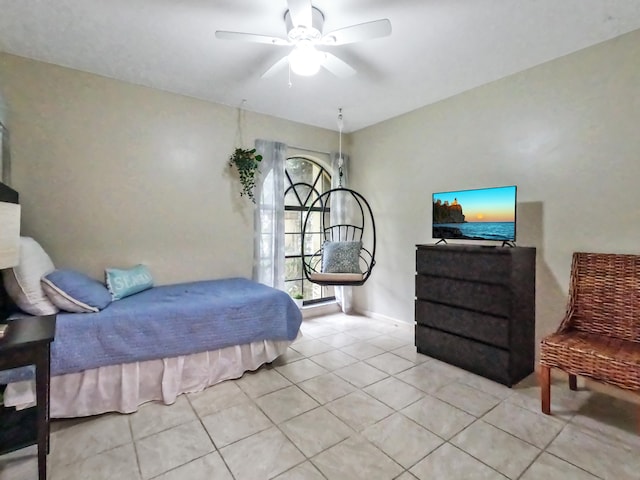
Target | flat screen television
(479,214)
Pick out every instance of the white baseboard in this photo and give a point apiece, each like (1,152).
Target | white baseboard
(320,309)
(386,319)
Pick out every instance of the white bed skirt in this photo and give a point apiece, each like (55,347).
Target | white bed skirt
(122,388)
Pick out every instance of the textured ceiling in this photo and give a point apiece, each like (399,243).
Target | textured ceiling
(438,48)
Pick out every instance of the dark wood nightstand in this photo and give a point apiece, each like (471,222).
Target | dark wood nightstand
(27,341)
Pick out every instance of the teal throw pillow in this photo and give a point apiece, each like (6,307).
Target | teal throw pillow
(125,282)
(341,257)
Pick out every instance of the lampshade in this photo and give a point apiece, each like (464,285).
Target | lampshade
(9,234)
(305,59)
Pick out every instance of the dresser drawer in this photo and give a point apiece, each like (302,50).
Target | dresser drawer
(489,265)
(490,362)
(467,323)
(482,297)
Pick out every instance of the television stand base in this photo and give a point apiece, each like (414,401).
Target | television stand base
(442,240)
(507,243)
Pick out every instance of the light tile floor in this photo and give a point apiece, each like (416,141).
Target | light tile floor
(350,400)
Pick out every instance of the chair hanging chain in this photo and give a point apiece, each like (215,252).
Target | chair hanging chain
(340,159)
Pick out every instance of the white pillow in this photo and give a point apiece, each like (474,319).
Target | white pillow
(23,281)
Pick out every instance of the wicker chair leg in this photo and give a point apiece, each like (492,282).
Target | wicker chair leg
(573,382)
(545,389)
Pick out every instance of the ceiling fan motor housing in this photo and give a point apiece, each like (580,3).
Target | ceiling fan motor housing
(312,32)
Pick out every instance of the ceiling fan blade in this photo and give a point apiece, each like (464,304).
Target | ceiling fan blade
(338,67)
(356,33)
(300,11)
(251,37)
(276,67)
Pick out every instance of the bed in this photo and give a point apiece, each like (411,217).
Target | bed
(160,343)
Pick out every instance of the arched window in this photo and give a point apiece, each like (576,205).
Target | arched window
(305,179)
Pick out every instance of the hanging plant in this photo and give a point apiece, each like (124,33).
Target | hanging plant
(247,162)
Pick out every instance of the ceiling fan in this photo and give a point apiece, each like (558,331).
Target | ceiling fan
(304,25)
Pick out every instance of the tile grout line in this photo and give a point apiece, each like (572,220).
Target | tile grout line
(215,447)
(135,447)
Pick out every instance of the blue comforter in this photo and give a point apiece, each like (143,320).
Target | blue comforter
(168,321)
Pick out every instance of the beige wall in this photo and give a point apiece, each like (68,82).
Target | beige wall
(566,133)
(3,109)
(113,174)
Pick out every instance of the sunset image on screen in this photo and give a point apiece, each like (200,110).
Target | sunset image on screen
(484,205)
(482,214)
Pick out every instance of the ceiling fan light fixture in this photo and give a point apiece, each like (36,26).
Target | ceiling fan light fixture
(305,60)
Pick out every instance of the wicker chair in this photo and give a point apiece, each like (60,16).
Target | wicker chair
(599,337)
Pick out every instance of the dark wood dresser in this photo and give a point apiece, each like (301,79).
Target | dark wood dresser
(475,308)
(27,341)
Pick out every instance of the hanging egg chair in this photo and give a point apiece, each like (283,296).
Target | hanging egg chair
(345,221)
(347,255)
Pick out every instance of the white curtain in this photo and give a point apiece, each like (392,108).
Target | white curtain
(340,214)
(268,220)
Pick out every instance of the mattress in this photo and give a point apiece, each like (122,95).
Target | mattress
(169,321)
